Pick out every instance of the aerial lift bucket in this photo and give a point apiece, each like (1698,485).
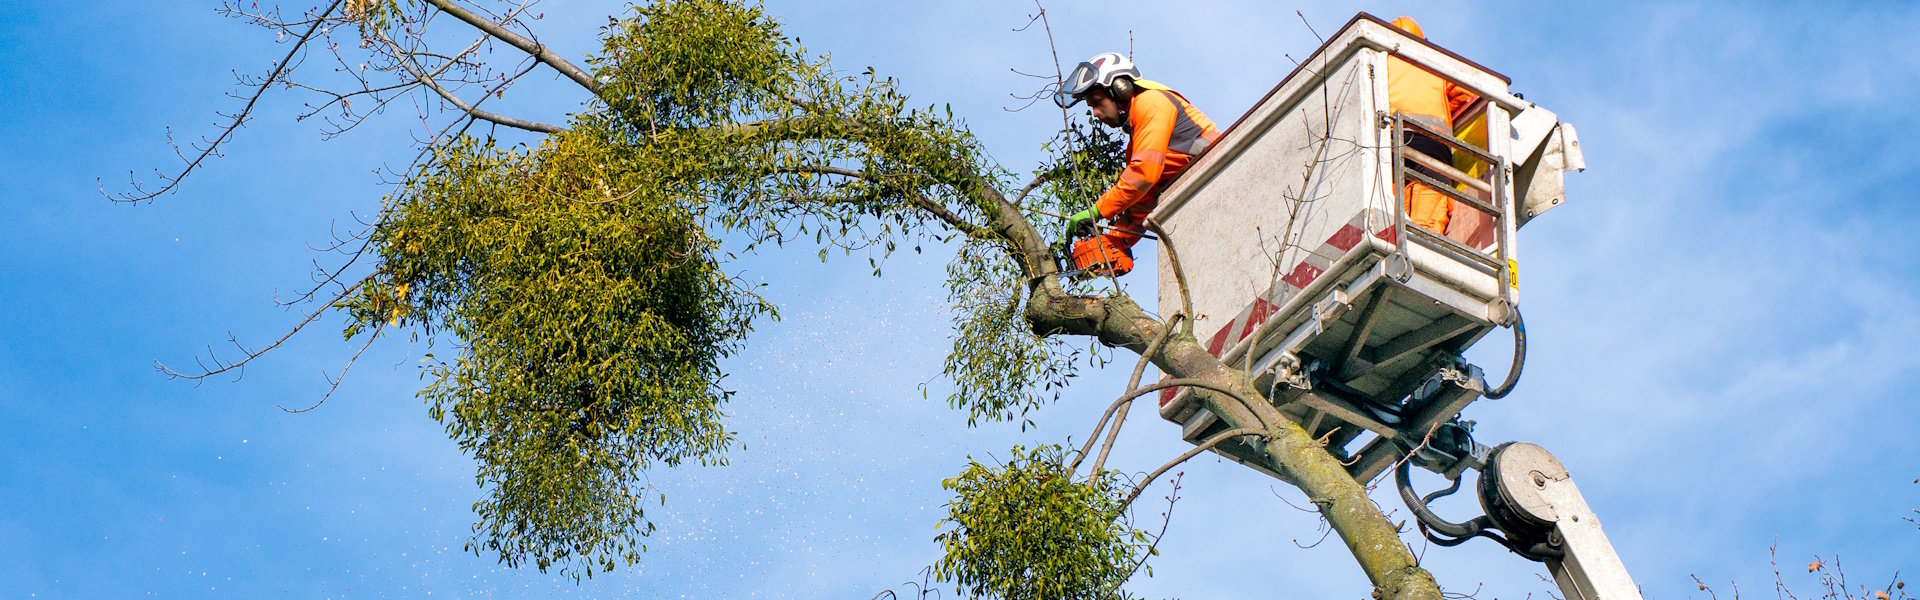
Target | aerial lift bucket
(1296,257)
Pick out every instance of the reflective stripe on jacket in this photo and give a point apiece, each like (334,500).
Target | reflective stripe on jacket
(1165,134)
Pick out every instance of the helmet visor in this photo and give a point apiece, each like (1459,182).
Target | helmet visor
(1076,85)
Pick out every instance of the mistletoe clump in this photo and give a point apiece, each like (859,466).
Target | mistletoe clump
(1027,530)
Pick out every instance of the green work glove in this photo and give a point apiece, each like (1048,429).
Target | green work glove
(1081,223)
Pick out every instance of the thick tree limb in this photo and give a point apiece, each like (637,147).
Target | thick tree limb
(531,47)
(1301,460)
(1005,219)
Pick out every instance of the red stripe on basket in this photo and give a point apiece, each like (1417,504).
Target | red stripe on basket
(1346,238)
(1219,342)
(1303,274)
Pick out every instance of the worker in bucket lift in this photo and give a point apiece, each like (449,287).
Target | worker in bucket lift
(1429,100)
(1165,133)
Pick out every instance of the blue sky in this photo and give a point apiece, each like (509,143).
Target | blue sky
(1723,318)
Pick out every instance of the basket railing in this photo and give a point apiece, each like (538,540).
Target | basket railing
(1455,185)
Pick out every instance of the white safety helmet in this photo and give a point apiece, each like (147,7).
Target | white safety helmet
(1103,70)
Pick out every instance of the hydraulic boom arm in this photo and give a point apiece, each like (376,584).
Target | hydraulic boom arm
(1533,509)
(1526,490)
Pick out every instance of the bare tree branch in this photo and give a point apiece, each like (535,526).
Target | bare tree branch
(534,48)
(1173,497)
(220,366)
(1130,396)
(1203,447)
(405,84)
(239,119)
(335,380)
(406,62)
(1123,405)
(1059,78)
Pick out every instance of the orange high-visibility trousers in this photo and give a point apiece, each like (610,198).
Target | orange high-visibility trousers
(1427,208)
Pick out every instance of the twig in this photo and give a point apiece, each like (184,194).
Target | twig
(239,119)
(1704,587)
(1303,21)
(1409,456)
(406,62)
(1166,521)
(1550,593)
(1290,504)
(1208,445)
(251,354)
(1059,78)
(335,381)
(1773,558)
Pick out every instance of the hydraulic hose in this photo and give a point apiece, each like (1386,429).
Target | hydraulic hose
(1446,533)
(1459,531)
(1519,358)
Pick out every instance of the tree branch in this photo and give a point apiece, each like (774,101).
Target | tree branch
(921,200)
(1294,455)
(353,120)
(1173,497)
(239,119)
(406,62)
(1179,274)
(1208,445)
(222,367)
(1123,404)
(1135,394)
(531,47)
(335,381)
(1031,185)
(1005,219)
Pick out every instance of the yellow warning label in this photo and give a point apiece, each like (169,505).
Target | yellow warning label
(1513,273)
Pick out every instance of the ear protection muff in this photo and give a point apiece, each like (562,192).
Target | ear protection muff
(1122,88)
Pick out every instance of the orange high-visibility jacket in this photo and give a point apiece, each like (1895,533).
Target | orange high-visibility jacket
(1415,91)
(1165,134)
